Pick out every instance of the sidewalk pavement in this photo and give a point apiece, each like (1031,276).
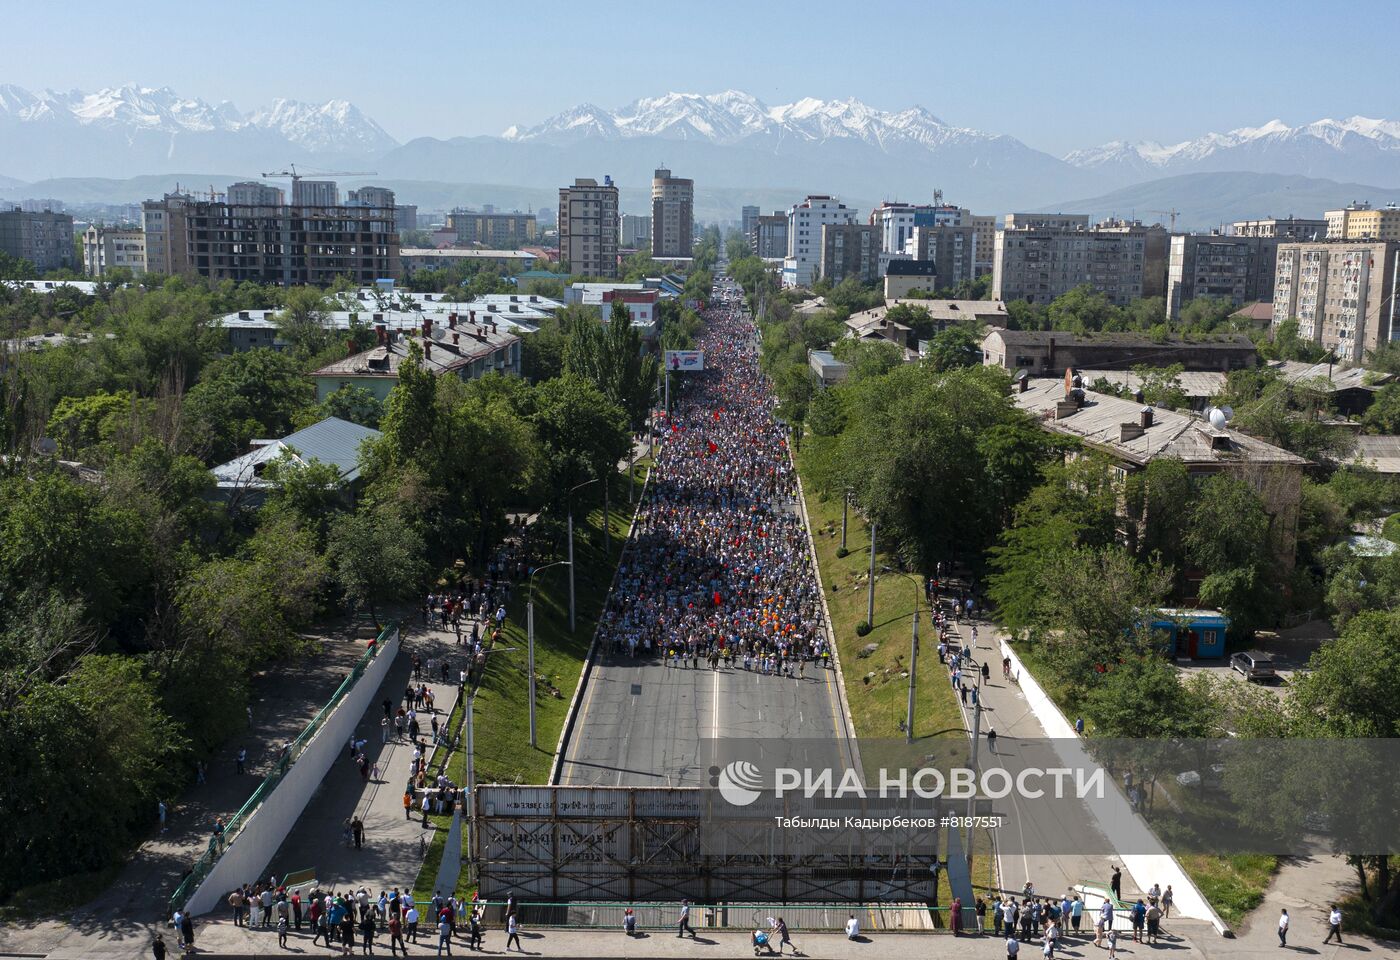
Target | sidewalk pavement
(1004,709)
(391,855)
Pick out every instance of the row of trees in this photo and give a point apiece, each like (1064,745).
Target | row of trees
(135,602)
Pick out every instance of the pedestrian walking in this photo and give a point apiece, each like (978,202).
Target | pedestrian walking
(444,937)
(979,911)
(158,947)
(241,759)
(187,932)
(410,918)
(396,935)
(357,828)
(282,932)
(368,929)
(513,931)
(683,924)
(1115,882)
(1013,946)
(1334,925)
(783,938)
(1113,945)
(1167,899)
(161,812)
(1283,928)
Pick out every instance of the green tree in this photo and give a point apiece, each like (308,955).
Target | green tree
(954,347)
(1084,310)
(98,425)
(256,393)
(582,434)
(1161,386)
(1143,698)
(375,558)
(1383,415)
(1228,538)
(612,358)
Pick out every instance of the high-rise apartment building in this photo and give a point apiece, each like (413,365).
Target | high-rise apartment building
(897,221)
(382,198)
(1283,228)
(849,251)
(288,244)
(1237,268)
(250,193)
(1341,292)
(107,248)
(769,236)
(747,217)
(952,249)
(315,193)
(1361,221)
(43,237)
(634,232)
(672,215)
(493,229)
(588,227)
(804,235)
(1039,258)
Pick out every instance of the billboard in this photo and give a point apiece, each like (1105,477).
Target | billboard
(685,361)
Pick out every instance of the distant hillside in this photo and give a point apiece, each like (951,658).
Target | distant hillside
(1206,200)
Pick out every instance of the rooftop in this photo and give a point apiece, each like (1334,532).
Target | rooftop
(457,253)
(1340,378)
(1112,424)
(88,287)
(440,354)
(1381,454)
(333,441)
(1062,338)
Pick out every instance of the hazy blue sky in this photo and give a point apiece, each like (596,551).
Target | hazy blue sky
(1058,74)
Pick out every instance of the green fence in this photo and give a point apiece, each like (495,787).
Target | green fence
(239,820)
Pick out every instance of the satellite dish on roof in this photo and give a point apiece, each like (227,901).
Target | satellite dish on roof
(1217,418)
(1229,412)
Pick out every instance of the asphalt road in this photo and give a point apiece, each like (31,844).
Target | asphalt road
(642,723)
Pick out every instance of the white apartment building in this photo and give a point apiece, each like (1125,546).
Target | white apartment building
(106,248)
(805,222)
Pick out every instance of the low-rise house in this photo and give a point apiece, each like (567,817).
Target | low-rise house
(1133,435)
(826,368)
(1049,352)
(332,441)
(465,350)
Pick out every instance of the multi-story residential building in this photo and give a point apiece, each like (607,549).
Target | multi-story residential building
(315,193)
(1361,221)
(1049,352)
(1240,269)
(464,350)
(288,245)
(849,251)
(43,237)
(672,215)
(634,232)
(494,229)
(108,248)
(897,221)
(1341,292)
(1284,228)
(1039,258)
(952,250)
(251,193)
(804,235)
(588,227)
(904,276)
(42,205)
(769,236)
(747,218)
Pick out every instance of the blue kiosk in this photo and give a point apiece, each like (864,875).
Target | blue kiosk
(1192,634)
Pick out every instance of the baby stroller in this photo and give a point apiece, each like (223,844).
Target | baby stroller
(760,942)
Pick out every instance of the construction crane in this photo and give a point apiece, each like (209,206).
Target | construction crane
(291,172)
(1168,213)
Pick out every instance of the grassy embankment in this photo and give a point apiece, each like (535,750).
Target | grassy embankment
(501,720)
(877,685)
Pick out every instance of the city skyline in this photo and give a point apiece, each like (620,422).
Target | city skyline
(1058,53)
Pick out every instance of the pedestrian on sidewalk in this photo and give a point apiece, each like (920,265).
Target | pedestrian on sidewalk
(161,812)
(357,827)
(445,937)
(187,932)
(384,729)
(475,939)
(282,932)
(1167,898)
(1334,925)
(1076,913)
(396,935)
(235,900)
(513,931)
(683,924)
(1283,928)
(1115,882)
(1113,945)
(407,805)
(1013,947)
(979,912)
(367,931)
(158,947)
(411,919)
(783,938)
(955,916)
(1154,922)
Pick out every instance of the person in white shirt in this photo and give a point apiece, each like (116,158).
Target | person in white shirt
(1283,928)
(852,928)
(1334,924)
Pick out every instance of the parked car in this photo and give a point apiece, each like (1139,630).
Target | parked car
(1254,665)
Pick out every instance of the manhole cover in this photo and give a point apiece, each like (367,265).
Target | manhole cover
(636,689)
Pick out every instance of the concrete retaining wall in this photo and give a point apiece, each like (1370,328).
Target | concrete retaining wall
(247,856)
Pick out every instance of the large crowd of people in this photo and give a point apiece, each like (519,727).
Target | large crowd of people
(719,569)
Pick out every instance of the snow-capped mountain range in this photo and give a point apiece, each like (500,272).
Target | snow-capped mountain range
(729,141)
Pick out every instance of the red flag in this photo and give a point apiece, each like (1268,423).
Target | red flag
(716,414)
(713,448)
(716,598)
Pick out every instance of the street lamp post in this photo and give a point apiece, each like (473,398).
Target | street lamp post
(530,634)
(913,657)
(870,596)
(570,560)
(845,509)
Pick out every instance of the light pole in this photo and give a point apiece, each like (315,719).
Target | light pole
(845,509)
(870,597)
(530,634)
(976,736)
(570,560)
(913,656)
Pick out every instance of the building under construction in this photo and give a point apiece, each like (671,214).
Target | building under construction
(269,243)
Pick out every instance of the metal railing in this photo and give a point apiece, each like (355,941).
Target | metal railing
(217,845)
(810,917)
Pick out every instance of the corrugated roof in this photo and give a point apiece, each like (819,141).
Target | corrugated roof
(1381,454)
(333,441)
(1342,378)
(1099,423)
(1195,383)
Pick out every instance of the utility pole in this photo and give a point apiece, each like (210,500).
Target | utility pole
(570,560)
(976,738)
(913,671)
(845,509)
(870,599)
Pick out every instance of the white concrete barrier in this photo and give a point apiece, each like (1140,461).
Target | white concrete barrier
(246,857)
(1113,812)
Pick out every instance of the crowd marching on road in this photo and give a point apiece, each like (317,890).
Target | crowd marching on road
(719,569)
